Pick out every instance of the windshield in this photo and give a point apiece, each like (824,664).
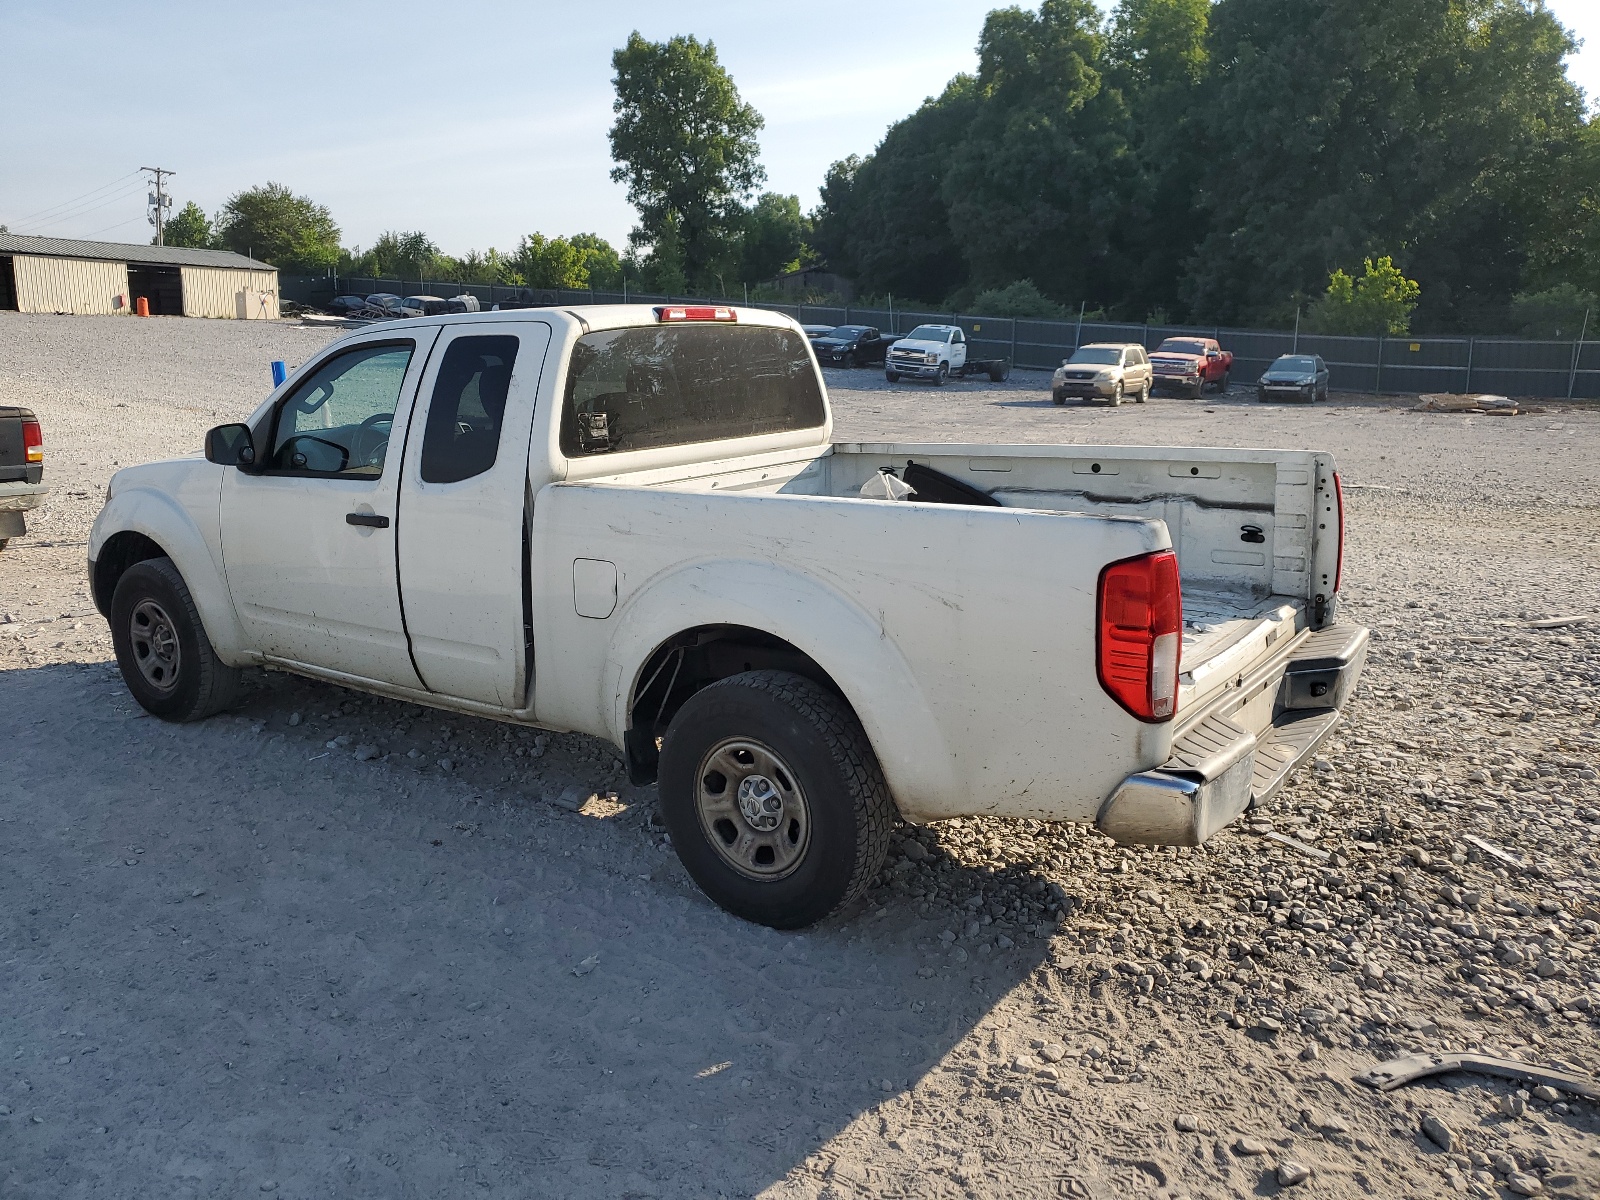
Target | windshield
(1291,364)
(929,333)
(847,333)
(669,385)
(1181,346)
(1098,355)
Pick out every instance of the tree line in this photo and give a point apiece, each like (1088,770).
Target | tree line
(1226,162)
(1371,164)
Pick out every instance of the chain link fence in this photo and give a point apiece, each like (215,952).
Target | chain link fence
(1499,365)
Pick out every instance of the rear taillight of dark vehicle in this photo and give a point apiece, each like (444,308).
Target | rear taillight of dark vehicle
(1140,634)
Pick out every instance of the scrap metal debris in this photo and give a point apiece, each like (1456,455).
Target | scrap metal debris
(1505,856)
(1398,1072)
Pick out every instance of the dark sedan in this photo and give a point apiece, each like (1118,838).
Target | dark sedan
(852,345)
(346,306)
(1294,377)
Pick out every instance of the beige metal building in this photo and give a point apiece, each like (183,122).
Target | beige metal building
(59,275)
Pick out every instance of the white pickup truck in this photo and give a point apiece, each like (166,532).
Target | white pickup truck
(938,353)
(633,522)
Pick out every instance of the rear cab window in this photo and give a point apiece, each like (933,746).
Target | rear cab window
(651,386)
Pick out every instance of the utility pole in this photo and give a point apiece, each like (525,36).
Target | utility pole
(160,202)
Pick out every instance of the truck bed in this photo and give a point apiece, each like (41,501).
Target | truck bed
(1241,598)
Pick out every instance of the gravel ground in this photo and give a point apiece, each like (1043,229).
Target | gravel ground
(331,945)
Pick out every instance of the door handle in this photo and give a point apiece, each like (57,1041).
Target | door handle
(372,520)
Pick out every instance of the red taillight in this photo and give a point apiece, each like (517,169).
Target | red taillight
(32,440)
(1338,499)
(695,312)
(1141,634)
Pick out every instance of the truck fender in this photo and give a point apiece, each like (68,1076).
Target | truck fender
(157,516)
(848,642)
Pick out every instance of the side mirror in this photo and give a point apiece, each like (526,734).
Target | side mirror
(230,446)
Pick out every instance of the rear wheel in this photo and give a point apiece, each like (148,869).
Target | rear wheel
(1144,391)
(166,659)
(1000,372)
(4,542)
(774,799)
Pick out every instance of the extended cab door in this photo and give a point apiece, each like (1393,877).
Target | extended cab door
(462,510)
(308,536)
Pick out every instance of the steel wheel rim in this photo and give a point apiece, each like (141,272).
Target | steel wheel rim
(752,809)
(154,639)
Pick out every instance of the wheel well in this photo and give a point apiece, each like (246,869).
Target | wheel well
(119,553)
(689,661)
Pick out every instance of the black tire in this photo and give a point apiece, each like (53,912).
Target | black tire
(1116,395)
(892,376)
(152,607)
(4,542)
(1144,392)
(1222,384)
(943,375)
(1261,395)
(849,359)
(1000,373)
(1199,388)
(1058,397)
(830,766)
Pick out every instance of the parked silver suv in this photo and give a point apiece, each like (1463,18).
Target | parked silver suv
(1107,371)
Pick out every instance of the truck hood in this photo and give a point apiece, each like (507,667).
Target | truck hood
(160,474)
(924,347)
(1182,360)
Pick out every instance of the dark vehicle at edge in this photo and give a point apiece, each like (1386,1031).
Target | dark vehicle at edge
(345,306)
(21,470)
(852,345)
(1294,377)
(813,332)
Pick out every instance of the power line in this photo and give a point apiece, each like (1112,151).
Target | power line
(109,228)
(84,210)
(69,203)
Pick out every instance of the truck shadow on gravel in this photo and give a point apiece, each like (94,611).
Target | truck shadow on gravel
(243,957)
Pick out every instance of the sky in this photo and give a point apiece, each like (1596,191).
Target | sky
(475,122)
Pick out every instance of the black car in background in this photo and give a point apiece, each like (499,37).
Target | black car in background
(852,345)
(346,306)
(1294,377)
(813,332)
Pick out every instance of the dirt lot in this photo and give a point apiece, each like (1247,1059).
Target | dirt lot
(238,959)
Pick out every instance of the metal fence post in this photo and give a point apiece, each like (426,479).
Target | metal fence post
(1377,386)
(1013,341)
(1470,342)
(1577,351)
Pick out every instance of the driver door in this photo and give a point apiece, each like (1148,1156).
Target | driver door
(308,538)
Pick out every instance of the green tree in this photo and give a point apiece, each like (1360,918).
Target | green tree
(884,221)
(1381,300)
(188,227)
(1335,127)
(1020,299)
(1036,186)
(399,256)
(685,144)
(582,261)
(774,238)
(274,225)
(1558,312)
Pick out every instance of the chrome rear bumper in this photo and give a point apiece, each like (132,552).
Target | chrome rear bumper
(1218,769)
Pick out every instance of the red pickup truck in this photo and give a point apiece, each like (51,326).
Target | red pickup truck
(1185,365)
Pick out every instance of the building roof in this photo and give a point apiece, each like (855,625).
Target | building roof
(174,256)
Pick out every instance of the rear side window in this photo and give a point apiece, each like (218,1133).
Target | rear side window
(671,385)
(468,408)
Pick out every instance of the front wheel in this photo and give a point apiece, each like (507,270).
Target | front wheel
(943,375)
(166,659)
(849,360)
(892,376)
(774,798)
(1116,395)
(1222,384)
(1058,397)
